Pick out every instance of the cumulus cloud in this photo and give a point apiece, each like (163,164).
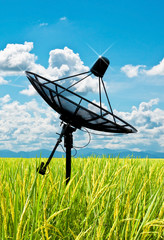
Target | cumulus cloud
(88,85)
(29,126)
(65,61)
(26,126)
(35,126)
(5,99)
(156,70)
(30,91)
(131,71)
(95,109)
(3,81)
(62,63)
(16,58)
(149,121)
(146,106)
(143,116)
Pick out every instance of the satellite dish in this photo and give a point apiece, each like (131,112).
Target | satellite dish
(76,111)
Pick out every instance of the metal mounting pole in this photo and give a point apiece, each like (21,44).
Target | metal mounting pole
(68,144)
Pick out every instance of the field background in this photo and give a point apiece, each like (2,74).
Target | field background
(106,198)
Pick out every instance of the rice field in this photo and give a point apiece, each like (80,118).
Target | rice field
(106,198)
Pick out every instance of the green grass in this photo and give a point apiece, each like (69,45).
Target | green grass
(106,198)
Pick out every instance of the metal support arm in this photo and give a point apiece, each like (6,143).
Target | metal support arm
(43,166)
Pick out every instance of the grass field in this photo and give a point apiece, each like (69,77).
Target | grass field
(107,198)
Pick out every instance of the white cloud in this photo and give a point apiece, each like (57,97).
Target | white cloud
(131,71)
(3,81)
(65,61)
(62,63)
(147,118)
(150,125)
(30,91)
(134,71)
(26,126)
(35,126)
(88,85)
(95,109)
(5,99)
(43,24)
(156,70)
(63,18)
(16,58)
(146,106)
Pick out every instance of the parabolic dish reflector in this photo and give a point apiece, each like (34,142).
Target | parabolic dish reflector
(77,110)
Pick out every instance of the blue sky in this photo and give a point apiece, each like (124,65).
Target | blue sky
(132,37)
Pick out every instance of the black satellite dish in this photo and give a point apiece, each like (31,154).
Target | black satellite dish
(76,111)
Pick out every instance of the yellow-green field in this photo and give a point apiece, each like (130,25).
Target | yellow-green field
(107,198)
